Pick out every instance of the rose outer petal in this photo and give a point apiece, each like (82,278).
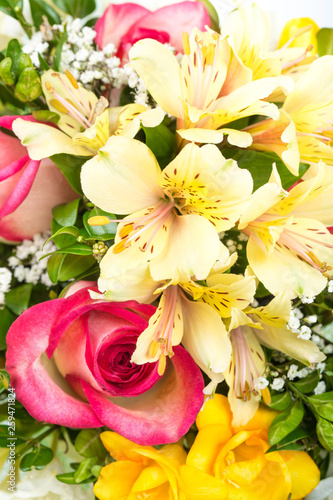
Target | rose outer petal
(43,398)
(161,415)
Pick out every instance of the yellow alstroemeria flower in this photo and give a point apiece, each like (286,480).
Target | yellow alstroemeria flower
(248,330)
(85,122)
(210,89)
(177,319)
(176,213)
(140,472)
(304,130)
(290,248)
(231,463)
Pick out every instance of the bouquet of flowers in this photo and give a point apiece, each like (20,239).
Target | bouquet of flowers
(166,267)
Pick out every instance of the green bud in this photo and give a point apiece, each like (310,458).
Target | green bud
(99,250)
(6,73)
(28,86)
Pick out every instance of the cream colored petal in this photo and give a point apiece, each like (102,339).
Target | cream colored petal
(43,141)
(240,318)
(260,202)
(152,117)
(160,71)
(312,93)
(286,341)
(314,150)
(202,135)
(205,337)
(191,250)
(225,261)
(122,178)
(282,271)
(276,313)
(97,135)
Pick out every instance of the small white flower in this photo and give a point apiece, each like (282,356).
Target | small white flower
(321,366)
(19,273)
(82,55)
(304,372)
(328,349)
(88,33)
(242,237)
(277,384)
(5,277)
(292,372)
(305,333)
(297,313)
(307,300)
(98,74)
(96,57)
(13,261)
(319,341)
(330,286)
(261,383)
(321,388)
(311,319)
(109,49)
(67,56)
(87,76)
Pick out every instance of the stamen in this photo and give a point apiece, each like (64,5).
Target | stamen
(153,349)
(161,365)
(186,43)
(71,79)
(99,220)
(266,396)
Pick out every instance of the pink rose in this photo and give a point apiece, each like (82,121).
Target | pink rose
(125,24)
(28,189)
(69,363)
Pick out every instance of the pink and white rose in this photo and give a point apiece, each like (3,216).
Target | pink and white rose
(69,363)
(28,189)
(125,24)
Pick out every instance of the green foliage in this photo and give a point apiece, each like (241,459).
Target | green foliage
(44,115)
(324,430)
(17,299)
(103,233)
(286,422)
(70,166)
(309,383)
(39,8)
(77,8)
(89,444)
(161,141)
(66,213)
(38,458)
(281,402)
(325,41)
(289,442)
(6,319)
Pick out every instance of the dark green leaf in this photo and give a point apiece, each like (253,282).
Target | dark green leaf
(260,166)
(74,265)
(68,478)
(325,41)
(66,213)
(323,404)
(325,433)
(62,239)
(309,383)
(39,9)
(126,96)
(76,249)
(29,86)
(17,299)
(71,230)
(70,166)
(89,444)
(290,446)
(281,402)
(6,319)
(329,366)
(160,140)
(14,51)
(46,116)
(286,422)
(106,232)
(54,266)
(289,442)
(43,64)
(77,8)
(7,97)
(84,471)
(38,458)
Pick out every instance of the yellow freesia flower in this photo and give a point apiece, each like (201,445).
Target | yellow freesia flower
(304,130)
(210,89)
(140,472)
(85,122)
(248,330)
(231,463)
(290,248)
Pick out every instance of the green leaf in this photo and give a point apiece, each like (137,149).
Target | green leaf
(323,404)
(4,378)
(89,444)
(6,73)
(14,51)
(289,441)
(29,86)
(308,383)
(8,7)
(45,115)
(17,299)
(76,249)
(213,15)
(39,8)
(329,366)
(43,64)
(281,402)
(286,422)
(6,319)
(324,430)
(260,166)
(70,166)
(160,140)
(71,230)
(66,213)
(68,478)
(106,232)
(84,470)
(38,458)
(24,62)
(62,239)
(127,96)
(77,8)
(54,266)
(325,41)
(58,51)
(74,265)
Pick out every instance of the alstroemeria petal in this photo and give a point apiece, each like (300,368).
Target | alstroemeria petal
(160,71)
(314,150)
(262,199)
(43,140)
(205,337)
(201,486)
(276,313)
(117,21)
(161,415)
(191,250)
(122,178)
(234,137)
(121,475)
(282,271)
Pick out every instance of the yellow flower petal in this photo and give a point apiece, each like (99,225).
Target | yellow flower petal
(203,135)
(305,475)
(215,411)
(294,33)
(152,476)
(116,480)
(200,486)
(119,447)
